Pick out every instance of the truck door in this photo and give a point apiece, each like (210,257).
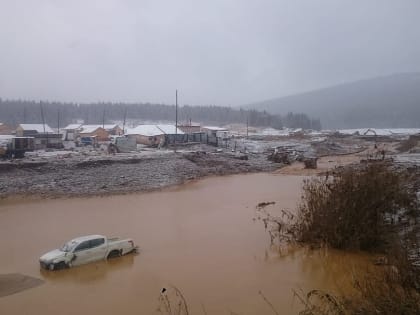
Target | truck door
(98,248)
(82,253)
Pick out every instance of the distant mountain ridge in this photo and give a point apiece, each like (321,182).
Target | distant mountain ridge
(383,102)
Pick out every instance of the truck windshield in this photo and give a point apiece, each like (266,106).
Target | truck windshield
(67,247)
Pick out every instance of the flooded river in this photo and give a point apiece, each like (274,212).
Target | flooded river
(200,237)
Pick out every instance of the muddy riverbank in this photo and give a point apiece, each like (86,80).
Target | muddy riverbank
(203,237)
(85,172)
(121,174)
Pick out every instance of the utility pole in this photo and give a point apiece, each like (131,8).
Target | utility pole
(87,116)
(125,117)
(247,124)
(43,121)
(58,121)
(42,115)
(103,118)
(176,116)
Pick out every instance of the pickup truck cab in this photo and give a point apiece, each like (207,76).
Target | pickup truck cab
(86,249)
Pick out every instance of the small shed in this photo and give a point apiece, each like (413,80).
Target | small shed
(44,136)
(216,131)
(70,132)
(216,135)
(29,130)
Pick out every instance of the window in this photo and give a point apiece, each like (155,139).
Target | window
(82,246)
(97,242)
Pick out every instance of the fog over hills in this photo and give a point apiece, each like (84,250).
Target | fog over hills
(383,102)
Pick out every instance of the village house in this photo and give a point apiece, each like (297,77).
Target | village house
(96,131)
(215,135)
(149,135)
(155,135)
(113,129)
(29,130)
(44,136)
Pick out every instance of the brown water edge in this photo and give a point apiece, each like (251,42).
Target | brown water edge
(200,237)
(324,164)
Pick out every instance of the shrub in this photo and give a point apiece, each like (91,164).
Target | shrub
(376,292)
(347,210)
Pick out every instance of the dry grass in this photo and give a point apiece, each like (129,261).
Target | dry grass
(376,292)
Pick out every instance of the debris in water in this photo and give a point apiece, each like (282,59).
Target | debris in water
(14,283)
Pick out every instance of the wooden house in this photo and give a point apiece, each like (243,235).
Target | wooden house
(93,131)
(6,129)
(149,135)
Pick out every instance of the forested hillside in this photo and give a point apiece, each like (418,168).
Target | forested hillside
(55,114)
(383,102)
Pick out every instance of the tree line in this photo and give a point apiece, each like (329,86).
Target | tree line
(57,114)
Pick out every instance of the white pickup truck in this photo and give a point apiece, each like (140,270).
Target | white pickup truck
(86,249)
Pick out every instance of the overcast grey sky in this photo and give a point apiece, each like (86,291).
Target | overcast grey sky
(222,52)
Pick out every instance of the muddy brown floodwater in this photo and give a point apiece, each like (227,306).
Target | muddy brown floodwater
(200,237)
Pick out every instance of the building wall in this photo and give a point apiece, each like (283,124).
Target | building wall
(70,135)
(190,129)
(19,131)
(100,133)
(146,140)
(44,141)
(117,131)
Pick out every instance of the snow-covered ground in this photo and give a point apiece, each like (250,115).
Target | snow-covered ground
(260,146)
(273,132)
(381,131)
(4,140)
(412,158)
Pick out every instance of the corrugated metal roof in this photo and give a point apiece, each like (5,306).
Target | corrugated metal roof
(153,130)
(145,130)
(170,129)
(37,127)
(72,127)
(110,126)
(89,128)
(92,128)
(215,128)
